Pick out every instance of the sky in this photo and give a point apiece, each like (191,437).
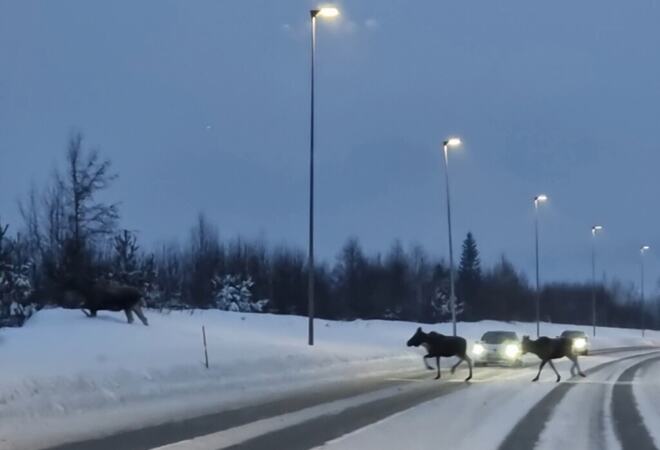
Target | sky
(204,106)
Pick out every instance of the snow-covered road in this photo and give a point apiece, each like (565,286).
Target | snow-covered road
(131,387)
(501,408)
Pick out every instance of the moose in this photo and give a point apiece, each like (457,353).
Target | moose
(110,297)
(552,348)
(438,345)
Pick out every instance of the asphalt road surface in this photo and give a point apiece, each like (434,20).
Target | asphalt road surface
(598,412)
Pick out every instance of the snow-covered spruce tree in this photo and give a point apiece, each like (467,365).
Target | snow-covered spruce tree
(15,285)
(233,293)
(441,304)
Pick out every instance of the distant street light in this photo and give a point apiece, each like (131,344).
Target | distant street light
(594,231)
(327,13)
(642,250)
(451,142)
(538,199)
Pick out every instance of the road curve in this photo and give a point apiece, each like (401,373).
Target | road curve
(403,394)
(628,422)
(528,432)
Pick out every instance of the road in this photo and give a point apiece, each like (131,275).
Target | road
(499,409)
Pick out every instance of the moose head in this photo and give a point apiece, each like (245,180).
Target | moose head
(417,339)
(525,344)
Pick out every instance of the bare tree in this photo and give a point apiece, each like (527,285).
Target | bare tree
(64,224)
(87,175)
(31,224)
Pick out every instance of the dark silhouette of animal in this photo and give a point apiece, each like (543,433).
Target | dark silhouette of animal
(111,297)
(548,349)
(438,345)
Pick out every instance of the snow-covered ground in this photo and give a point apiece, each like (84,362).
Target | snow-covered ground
(76,377)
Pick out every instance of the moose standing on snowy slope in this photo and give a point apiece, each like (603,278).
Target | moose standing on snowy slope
(110,297)
(438,345)
(548,349)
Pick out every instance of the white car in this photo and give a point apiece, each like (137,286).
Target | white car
(498,347)
(580,341)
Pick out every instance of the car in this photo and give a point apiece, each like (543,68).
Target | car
(498,347)
(580,341)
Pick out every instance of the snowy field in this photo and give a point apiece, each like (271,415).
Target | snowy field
(73,377)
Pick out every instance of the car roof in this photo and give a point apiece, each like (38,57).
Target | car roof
(500,332)
(582,333)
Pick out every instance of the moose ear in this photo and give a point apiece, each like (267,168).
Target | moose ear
(419,328)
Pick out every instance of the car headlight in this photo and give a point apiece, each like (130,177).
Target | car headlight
(579,343)
(512,351)
(478,349)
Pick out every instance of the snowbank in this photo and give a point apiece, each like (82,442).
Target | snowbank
(75,376)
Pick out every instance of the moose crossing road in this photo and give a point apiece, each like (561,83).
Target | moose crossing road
(616,406)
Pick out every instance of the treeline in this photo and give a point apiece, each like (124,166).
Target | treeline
(68,238)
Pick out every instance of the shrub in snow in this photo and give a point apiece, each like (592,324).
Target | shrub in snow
(233,293)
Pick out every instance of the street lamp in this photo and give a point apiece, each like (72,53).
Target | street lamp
(327,13)
(643,249)
(537,200)
(594,231)
(451,142)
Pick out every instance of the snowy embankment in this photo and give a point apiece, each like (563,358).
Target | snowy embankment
(75,377)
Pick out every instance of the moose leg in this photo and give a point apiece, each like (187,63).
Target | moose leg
(129,315)
(577,365)
(88,314)
(540,369)
(555,369)
(469,361)
(453,368)
(427,364)
(138,311)
(437,362)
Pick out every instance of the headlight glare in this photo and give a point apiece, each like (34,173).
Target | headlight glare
(579,343)
(512,351)
(478,349)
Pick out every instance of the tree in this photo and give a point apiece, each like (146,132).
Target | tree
(15,286)
(126,258)
(350,280)
(506,294)
(234,293)
(440,299)
(397,282)
(169,277)
(65,223)
(87,175)
(203,260)
(289,281)
(469,276)
(421,284)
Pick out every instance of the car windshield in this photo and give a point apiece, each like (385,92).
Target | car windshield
(498,337)
(573,334)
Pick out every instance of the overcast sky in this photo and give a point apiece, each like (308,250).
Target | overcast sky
(204,105)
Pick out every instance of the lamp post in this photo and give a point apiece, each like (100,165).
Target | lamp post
(642,250)
(451,142)
(537,200)
(328,13)
(594,231)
